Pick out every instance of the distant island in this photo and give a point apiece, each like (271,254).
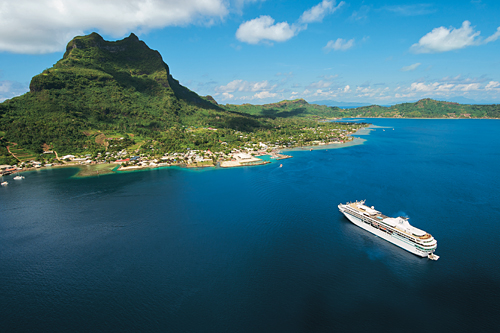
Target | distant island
(117,102)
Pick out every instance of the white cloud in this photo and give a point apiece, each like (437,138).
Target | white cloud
(227,96)
(318,12)
(242,86)
(264,29)
(45,26)
(444,87)
(263,94)
(492,85)
(443,39)
(232,86)
(339,45)
(410,67)
(493,37)
(319,85)
(346,89)
(258,86)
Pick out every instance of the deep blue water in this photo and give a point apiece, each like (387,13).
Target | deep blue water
(263,248)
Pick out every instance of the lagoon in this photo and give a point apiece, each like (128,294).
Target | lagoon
(262,248)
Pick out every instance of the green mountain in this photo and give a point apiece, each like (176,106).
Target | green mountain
(426,108)
(286,109)
(98,87)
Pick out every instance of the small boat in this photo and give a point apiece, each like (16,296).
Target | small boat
(281,165)
(4,184)
(433,256)
(18,177)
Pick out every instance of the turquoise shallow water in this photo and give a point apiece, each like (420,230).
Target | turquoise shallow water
(262,249)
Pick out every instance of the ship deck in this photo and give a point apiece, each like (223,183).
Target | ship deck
(379,217)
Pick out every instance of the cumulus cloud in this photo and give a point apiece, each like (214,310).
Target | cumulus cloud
(339,45)
(448,39)
(410,67)
(45,26)
(264,94)
(263,28)
(241,86)
(318,12)
(444,87)
(493,85)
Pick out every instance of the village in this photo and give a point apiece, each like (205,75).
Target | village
(235,154)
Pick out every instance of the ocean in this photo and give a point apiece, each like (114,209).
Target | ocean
(262,248)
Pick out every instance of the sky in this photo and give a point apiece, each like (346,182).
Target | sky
(263,51)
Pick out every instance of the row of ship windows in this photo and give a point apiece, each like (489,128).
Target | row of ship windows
(425,250)
(397,232)
(401,235)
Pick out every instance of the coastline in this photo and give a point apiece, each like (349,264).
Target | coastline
(355,142)
(336,145)
(96,170)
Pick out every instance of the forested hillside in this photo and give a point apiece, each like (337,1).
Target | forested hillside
(121,88)
(426,108)
(114,95)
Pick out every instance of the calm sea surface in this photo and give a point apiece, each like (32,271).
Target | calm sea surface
(262,249)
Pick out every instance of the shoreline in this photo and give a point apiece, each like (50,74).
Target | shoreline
(102,169)
(355,142)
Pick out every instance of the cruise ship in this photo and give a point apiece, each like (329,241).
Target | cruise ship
(395,230)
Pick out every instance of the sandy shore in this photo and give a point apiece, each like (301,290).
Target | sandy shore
(354,142)
(239,163)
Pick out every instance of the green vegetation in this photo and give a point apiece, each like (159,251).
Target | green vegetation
(94,170)
(426,108)
(104,97)
(287,109)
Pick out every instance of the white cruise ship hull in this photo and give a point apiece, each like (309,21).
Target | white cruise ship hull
(387,237)
(392,238)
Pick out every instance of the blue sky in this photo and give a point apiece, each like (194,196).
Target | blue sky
(261,51)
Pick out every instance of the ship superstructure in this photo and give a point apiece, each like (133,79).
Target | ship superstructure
(397,230)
